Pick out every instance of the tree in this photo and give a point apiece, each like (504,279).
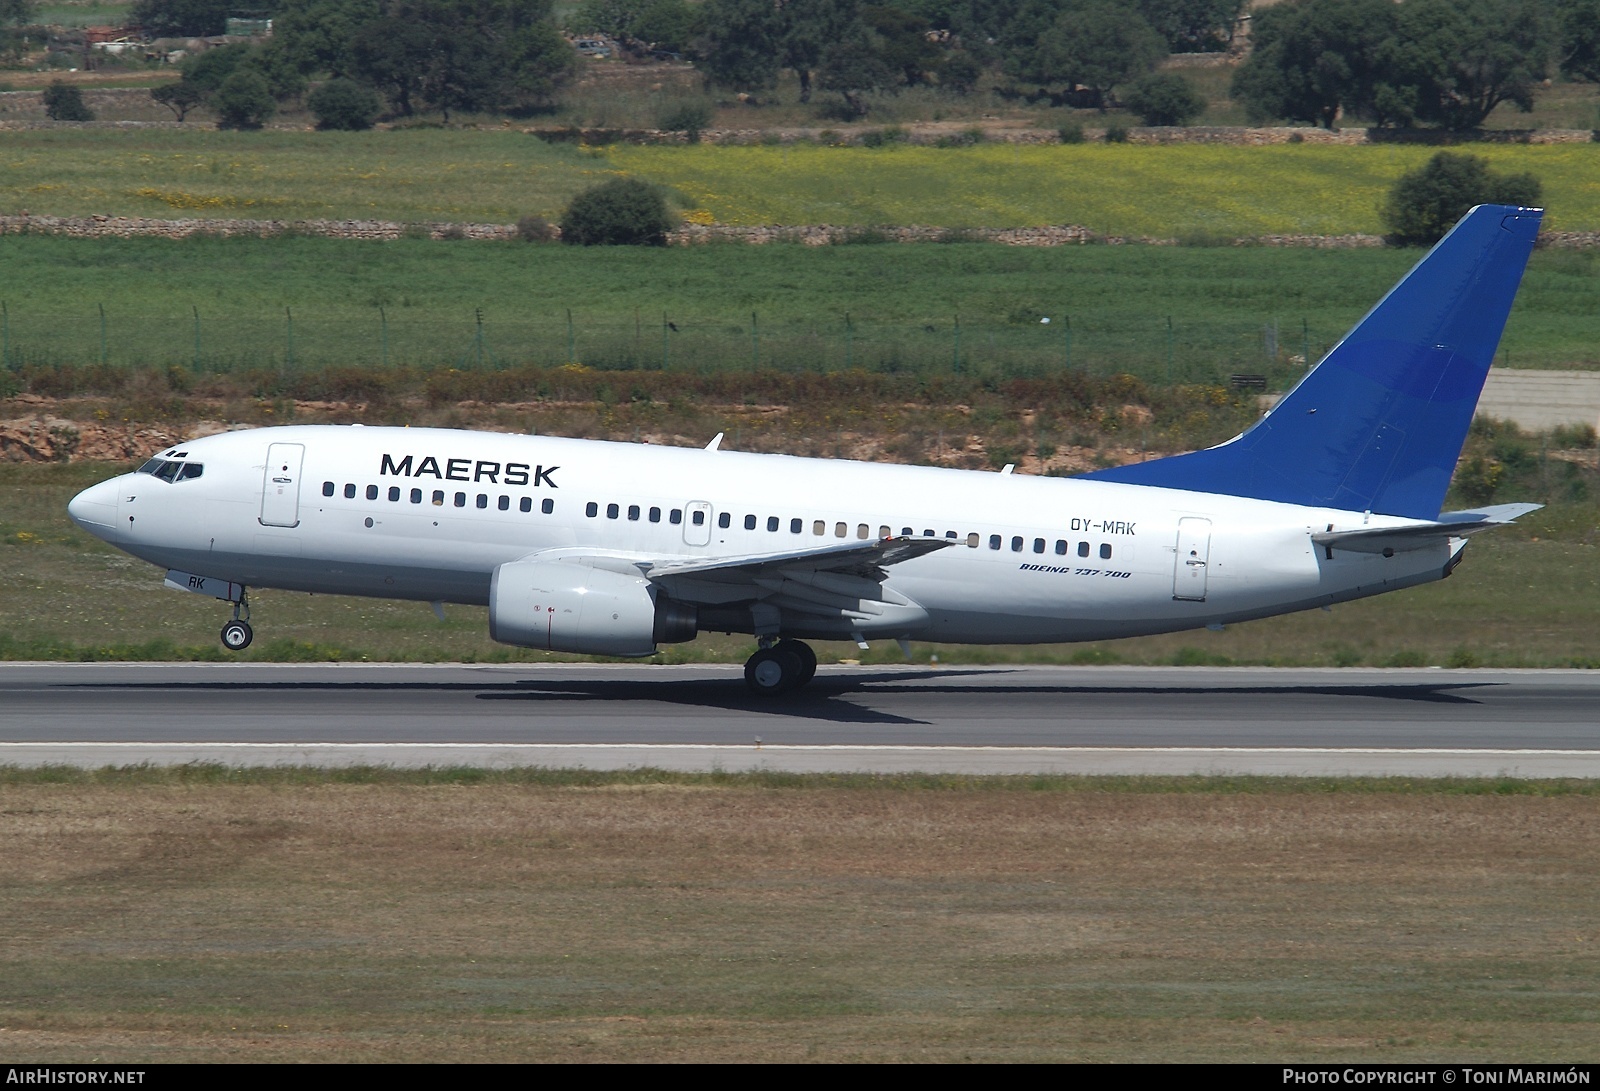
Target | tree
(180,96)
(14,14)
(181,18)
(1577,30)
(1425,203)
(64,102)
(621,212)
(667,24)
(244,101)
(1312,61)
(855,67)
(391,54)
(1193,26)
(316,35)
(1098,45)
(1164,98)
(344,104)
(1469,56)
(742,43)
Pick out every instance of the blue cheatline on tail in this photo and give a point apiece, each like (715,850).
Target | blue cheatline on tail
(1379,424)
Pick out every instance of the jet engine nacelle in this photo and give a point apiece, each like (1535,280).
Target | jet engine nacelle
(564,607)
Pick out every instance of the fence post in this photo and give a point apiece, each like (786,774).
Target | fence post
(103,350)
(196,311)
(477,339)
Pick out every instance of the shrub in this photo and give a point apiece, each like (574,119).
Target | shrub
(64,102)
(1072,134)
(244,101)
(1425,203)
(345,105)
(1116,133)
(621,212)
(1164,98)
(687,117)
(535,229)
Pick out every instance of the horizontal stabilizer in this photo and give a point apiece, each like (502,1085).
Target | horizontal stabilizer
(1403,539)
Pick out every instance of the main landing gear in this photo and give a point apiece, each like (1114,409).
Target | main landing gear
(779,667)
(237,634)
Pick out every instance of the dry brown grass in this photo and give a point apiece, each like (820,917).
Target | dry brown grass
(738,922)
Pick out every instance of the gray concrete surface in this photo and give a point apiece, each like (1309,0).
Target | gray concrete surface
(884,719)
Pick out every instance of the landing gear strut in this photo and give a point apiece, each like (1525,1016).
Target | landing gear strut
(779,667)
(237,634)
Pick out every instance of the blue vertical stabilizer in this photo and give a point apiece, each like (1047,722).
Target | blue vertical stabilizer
(1379,424)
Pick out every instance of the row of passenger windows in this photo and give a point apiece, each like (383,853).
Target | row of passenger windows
(819,528)
(697,517)
(547,505)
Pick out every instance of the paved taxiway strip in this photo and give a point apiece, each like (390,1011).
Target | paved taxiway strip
(895,719)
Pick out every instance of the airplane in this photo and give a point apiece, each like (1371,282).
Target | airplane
(613,549)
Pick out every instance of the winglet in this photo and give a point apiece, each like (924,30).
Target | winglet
(1379,424)
(716,442)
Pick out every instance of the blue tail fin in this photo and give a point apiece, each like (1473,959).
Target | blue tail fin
(1379,424)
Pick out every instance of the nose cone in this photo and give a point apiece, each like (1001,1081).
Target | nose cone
(95,509)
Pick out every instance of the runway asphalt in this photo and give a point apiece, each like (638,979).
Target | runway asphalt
(1123,720)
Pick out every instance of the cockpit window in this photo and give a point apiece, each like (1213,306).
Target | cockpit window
(168,470)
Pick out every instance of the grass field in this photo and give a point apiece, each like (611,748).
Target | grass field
(249,303)
(455,175)
(1527,596)
(204,915)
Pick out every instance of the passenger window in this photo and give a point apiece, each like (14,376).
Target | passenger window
(675,517)
(840,530)
(612,511)
(591,509)
(349,492)
(1083,549)
(1061,547)
(505,503)
(928,534)
(994,541)
(699,519)
(327,488)
(972,540)
(547,506)
(461,499)
(1105,551)
(1038,545)
(1016,545)
(749,522)
(416,496)
(772,523)
(724,520)
(950,534)
(372,492)
(883,532)
(483,500)
(795,526)
(438,498)
(655,515)
(819,527)
(863,531)
(394,494)
(633,513)
(525,504)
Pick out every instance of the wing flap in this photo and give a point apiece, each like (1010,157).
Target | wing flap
(860,558)
(1414,536)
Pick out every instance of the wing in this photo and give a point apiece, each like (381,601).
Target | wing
(1403,539)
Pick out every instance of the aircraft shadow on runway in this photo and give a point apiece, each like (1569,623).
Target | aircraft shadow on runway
(827,698)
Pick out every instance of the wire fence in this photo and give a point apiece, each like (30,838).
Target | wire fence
(1157,349)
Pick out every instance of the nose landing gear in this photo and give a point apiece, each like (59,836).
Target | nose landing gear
(237,634)
(777,668)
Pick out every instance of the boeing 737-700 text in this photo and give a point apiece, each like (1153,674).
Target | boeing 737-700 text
(612,549)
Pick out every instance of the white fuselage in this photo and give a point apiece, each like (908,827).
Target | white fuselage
(429,514)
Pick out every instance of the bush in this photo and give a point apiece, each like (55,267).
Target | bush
(344,104)
(1164,98)
(535,229)
(1425,203)
(1071,134)
(686,117)
(621,212)
(64,102)
(244,101)
(1116,133)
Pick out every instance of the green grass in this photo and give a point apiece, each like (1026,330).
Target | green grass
(414,302)
(455,175)
(1527,596)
